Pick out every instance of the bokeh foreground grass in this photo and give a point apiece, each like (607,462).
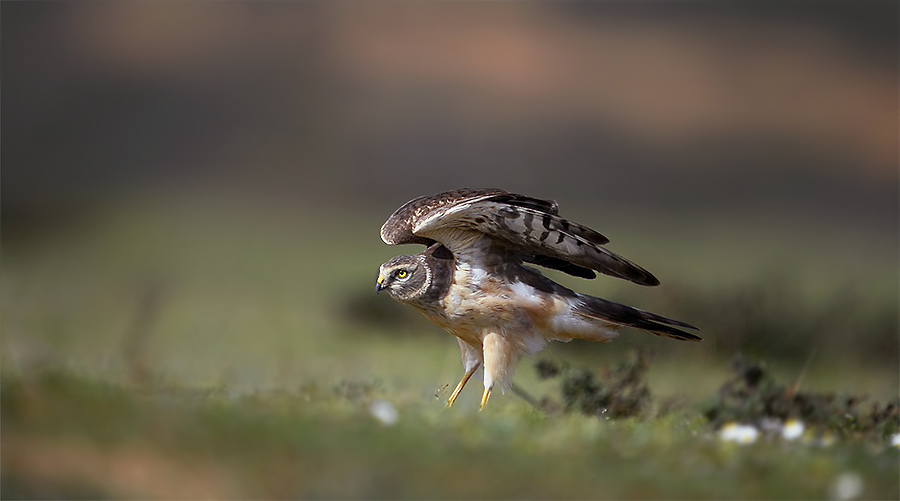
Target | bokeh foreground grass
(66,437)
(208,351)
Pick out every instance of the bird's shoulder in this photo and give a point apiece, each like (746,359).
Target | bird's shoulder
(401,226)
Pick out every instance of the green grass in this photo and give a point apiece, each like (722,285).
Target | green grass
(324,443)
(220,351)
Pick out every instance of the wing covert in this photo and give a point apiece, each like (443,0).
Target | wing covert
(529,227)
(399,227)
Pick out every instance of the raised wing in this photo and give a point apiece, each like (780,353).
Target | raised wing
(528,227)
(399,228)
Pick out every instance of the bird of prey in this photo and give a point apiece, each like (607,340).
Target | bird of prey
(472,279)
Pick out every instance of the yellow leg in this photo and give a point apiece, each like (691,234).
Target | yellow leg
(484,398)
(461,385)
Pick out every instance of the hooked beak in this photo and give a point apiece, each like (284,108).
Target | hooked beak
(380,284)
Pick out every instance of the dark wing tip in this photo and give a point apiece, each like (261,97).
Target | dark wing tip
(617,266)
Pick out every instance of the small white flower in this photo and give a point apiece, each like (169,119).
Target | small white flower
(740,433)
(383,411)
(895,440)
(793,429)
(848,485)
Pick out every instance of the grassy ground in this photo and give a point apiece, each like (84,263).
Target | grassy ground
(208,351)
(66,437)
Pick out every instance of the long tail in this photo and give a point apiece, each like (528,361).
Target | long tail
(608,311)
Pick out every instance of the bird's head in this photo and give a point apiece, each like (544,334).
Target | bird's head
(405,277)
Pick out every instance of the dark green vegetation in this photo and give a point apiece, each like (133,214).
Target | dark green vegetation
(618,393)
(752,395)
(208,352)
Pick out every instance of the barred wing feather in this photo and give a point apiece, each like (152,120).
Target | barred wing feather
(529,227)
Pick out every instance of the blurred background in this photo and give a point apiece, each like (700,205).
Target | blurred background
(192,191)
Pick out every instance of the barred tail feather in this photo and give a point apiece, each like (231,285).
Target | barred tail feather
(608,311)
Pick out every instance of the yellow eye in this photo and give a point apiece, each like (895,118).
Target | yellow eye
(402,274)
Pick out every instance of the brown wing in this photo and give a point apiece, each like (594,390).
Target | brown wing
(398,229)
(528,227)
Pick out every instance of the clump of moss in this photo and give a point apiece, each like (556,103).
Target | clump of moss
(610,393)
(753,395)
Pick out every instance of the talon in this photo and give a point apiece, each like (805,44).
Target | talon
(484,398)
(459,387)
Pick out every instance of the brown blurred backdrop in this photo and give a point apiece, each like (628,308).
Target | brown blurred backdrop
(191,197)
(746,152)
(784,107)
